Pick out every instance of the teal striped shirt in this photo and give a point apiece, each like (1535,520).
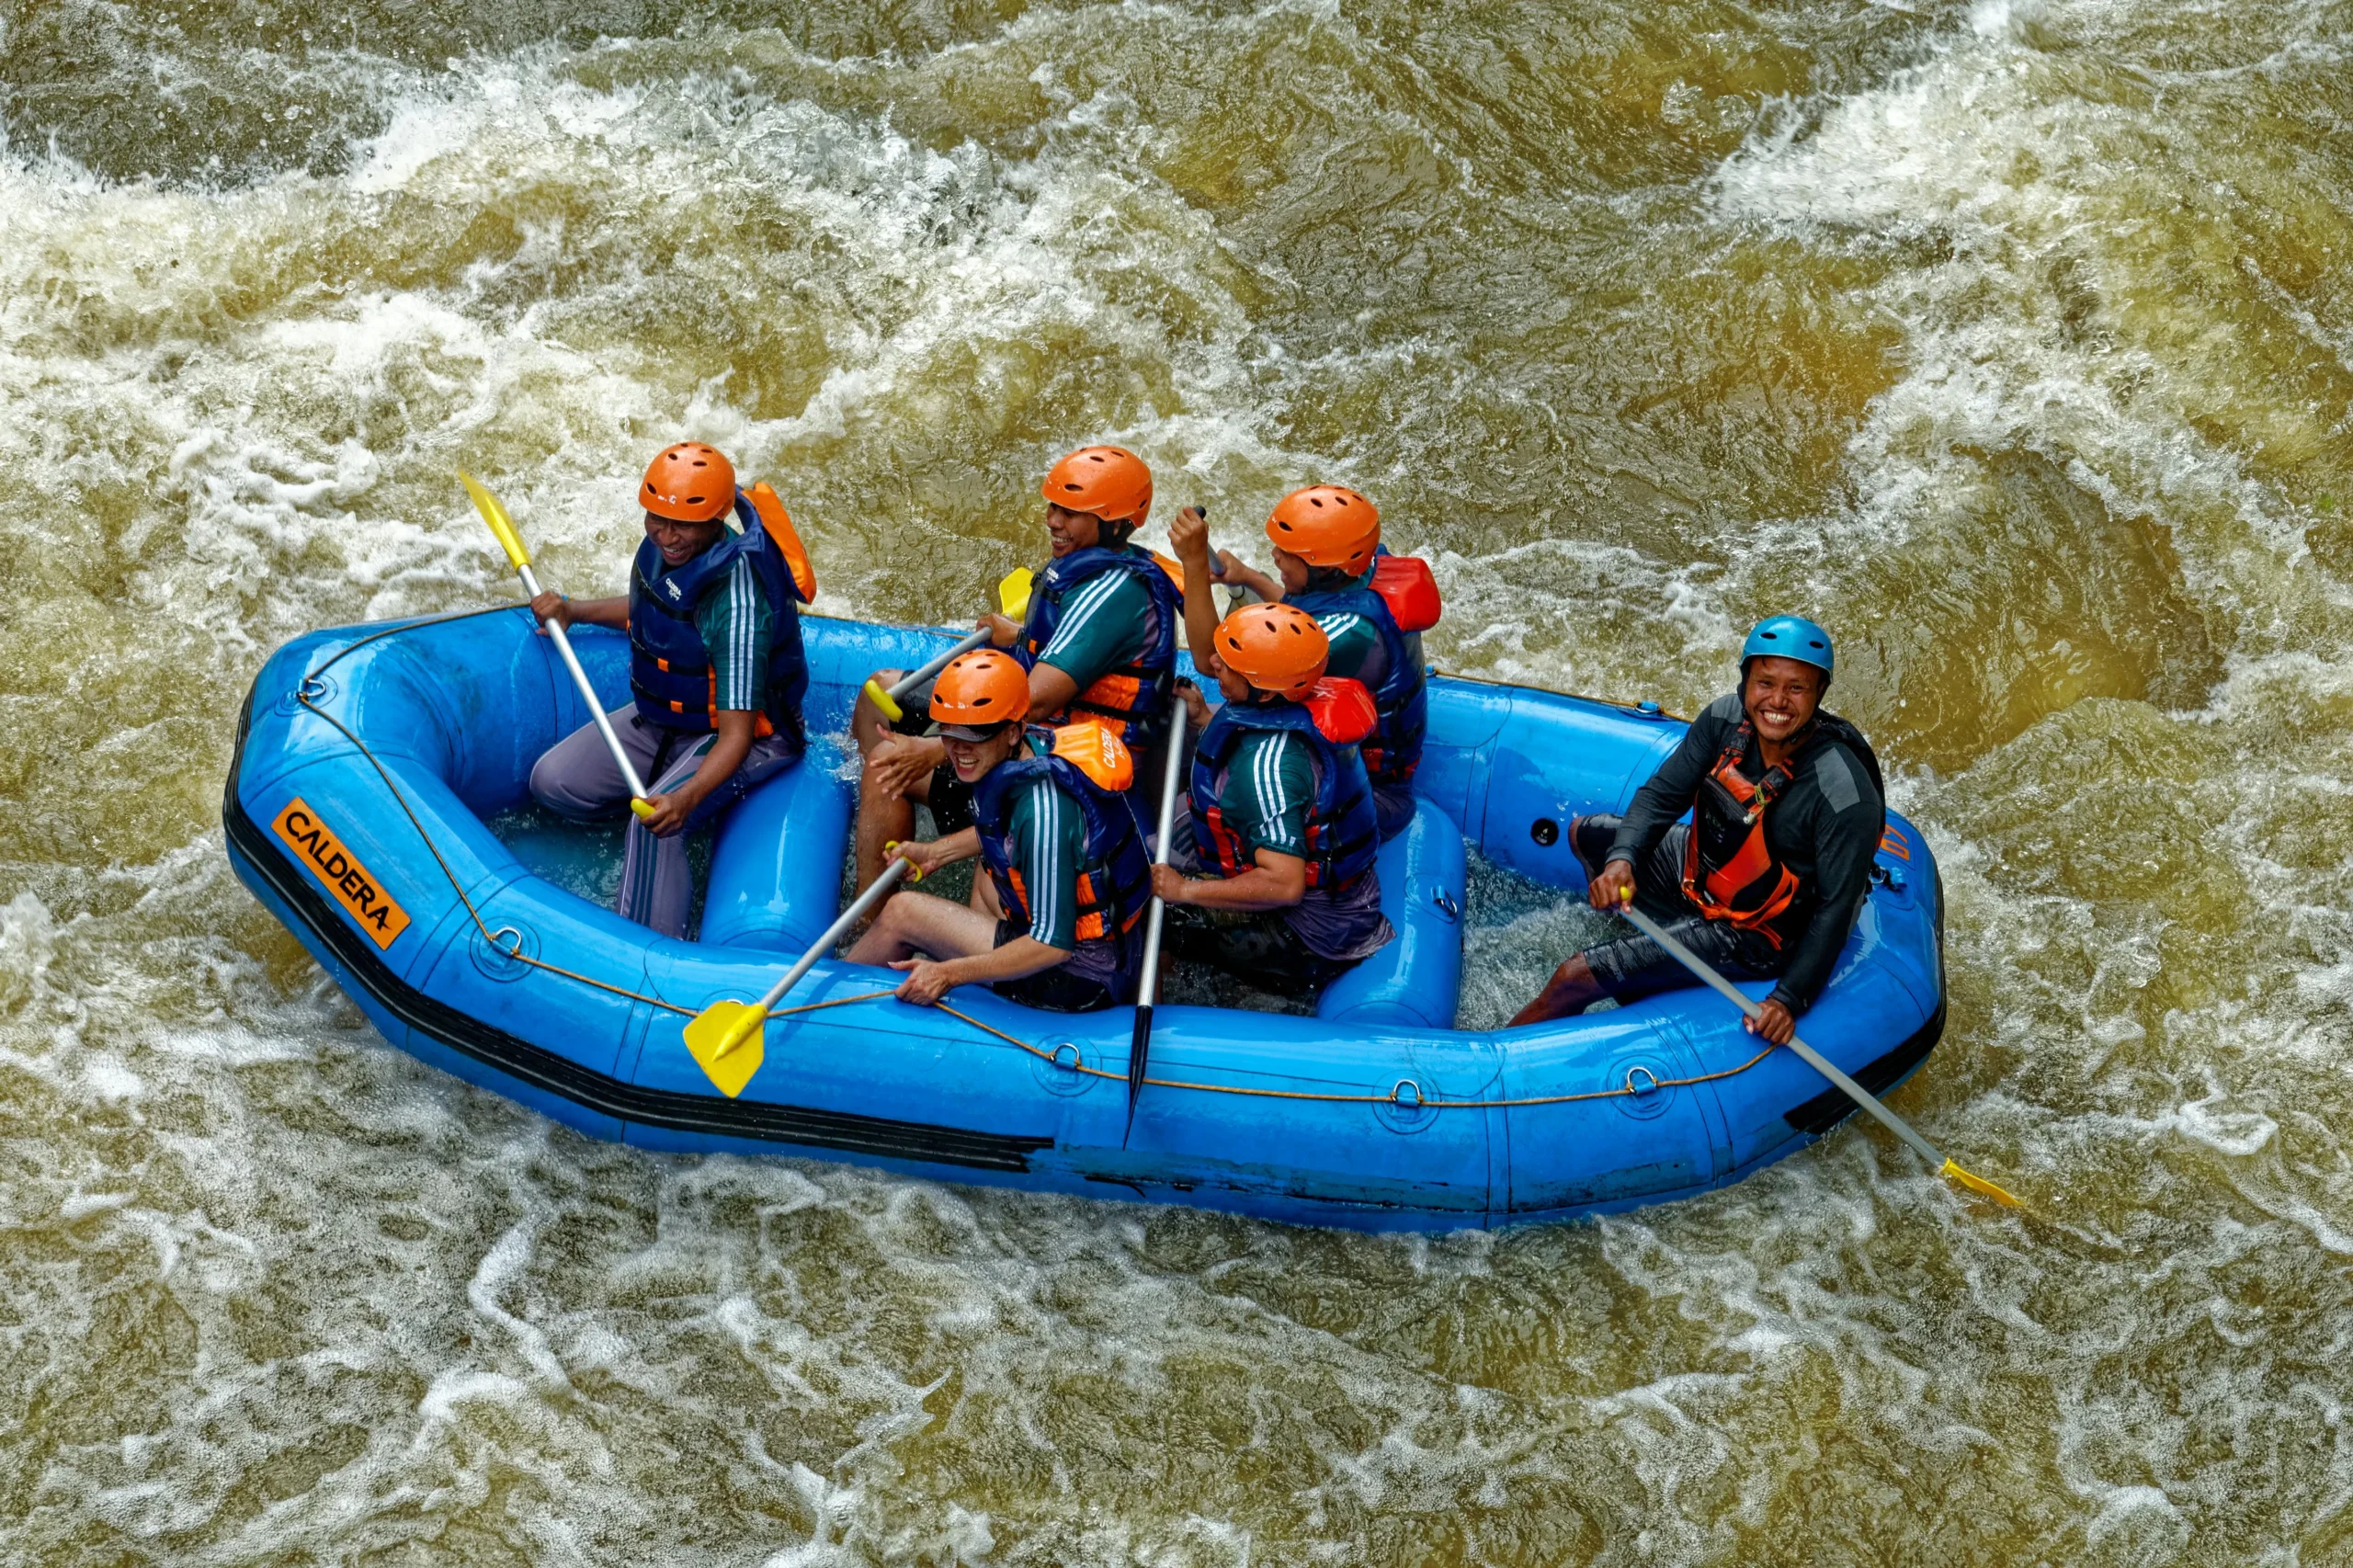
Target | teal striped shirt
(1046,840)
(738,625)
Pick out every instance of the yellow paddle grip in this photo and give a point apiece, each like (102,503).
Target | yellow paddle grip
(642,807)
(914,872)
(883,701)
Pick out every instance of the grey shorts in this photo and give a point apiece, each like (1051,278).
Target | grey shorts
(1634,966)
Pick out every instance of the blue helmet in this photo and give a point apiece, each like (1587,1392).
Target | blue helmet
(1790,637)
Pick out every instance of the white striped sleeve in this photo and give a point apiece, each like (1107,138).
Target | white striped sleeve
(1082,608)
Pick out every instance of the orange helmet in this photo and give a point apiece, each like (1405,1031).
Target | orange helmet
(1326,524)
(1109,481)
(1276,648)
(980,690)
(688,483)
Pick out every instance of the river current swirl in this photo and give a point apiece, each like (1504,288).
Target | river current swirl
(2012,340)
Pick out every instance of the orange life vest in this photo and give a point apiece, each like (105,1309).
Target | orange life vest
(1740,884)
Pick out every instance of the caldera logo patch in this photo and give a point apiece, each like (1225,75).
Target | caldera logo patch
(315,844)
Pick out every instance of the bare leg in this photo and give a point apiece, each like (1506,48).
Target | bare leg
(984,897)
(915,923)
(883,816)
(867,724)
(1571,990)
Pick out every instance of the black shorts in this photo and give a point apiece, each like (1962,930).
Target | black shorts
(1634,966)
(950,798)
(1055,989)
(1259,948)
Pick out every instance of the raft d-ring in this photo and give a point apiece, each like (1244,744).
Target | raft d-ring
(1646,1072)
(1407,1095)
(1055,1056)
(312,689)
(1445,901)
(514,952)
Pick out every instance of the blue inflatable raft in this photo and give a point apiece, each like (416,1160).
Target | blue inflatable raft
(369,758)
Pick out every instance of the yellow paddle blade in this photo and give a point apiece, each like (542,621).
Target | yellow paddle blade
(1014,592)
(725,1040)
(501,525)
(882,699)
(1979,1185)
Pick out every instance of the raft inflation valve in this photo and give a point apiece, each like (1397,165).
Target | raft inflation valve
(1647,709)
(1545,831)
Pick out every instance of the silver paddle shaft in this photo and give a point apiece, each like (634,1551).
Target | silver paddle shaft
(937,665)
(825,944)
(580,678)
(1148,989)
(1813,1058)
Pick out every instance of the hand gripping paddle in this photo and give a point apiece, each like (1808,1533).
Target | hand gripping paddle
(1013,595)
(728,1039)
(502,527)
(1814,1059)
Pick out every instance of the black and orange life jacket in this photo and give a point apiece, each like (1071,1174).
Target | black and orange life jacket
(1730,872)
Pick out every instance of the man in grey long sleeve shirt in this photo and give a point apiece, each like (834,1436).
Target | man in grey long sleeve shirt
(1766,878)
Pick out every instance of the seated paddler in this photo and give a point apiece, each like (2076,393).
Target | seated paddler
(1098,642)
(1284,894)
(1373,605)
(1765,881)
(716,673)
(1057,921)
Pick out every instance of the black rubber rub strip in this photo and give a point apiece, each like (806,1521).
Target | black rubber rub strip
(1828,1109)
(600,1092)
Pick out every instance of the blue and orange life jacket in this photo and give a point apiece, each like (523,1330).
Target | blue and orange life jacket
(1343,827)
(1400,603)
(1087,762)
(670,672)
(1132,699)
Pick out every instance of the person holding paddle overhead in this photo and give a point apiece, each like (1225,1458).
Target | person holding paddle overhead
(1283,824)
(715,668)
(1058,920)
(1098,641)
(1373,605)
(1786,810)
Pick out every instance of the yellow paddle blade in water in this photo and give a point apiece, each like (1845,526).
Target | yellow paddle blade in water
(1979,1185)
(501,525)
(725,1040)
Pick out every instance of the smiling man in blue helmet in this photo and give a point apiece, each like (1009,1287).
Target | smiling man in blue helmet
(1787,809)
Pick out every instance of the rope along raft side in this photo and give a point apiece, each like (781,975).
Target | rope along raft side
(1397,1096)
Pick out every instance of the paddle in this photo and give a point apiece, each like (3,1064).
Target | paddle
(716,1036)
(510,541)
(1813,1058)
(1148,987)
(1013,595)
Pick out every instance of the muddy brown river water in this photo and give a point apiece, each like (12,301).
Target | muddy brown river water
(2012,340)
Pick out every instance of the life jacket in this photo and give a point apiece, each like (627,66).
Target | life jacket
(1400,604)
(1343,827)
(1133,698)
(670,673)
(1729,869)
(1089,764)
